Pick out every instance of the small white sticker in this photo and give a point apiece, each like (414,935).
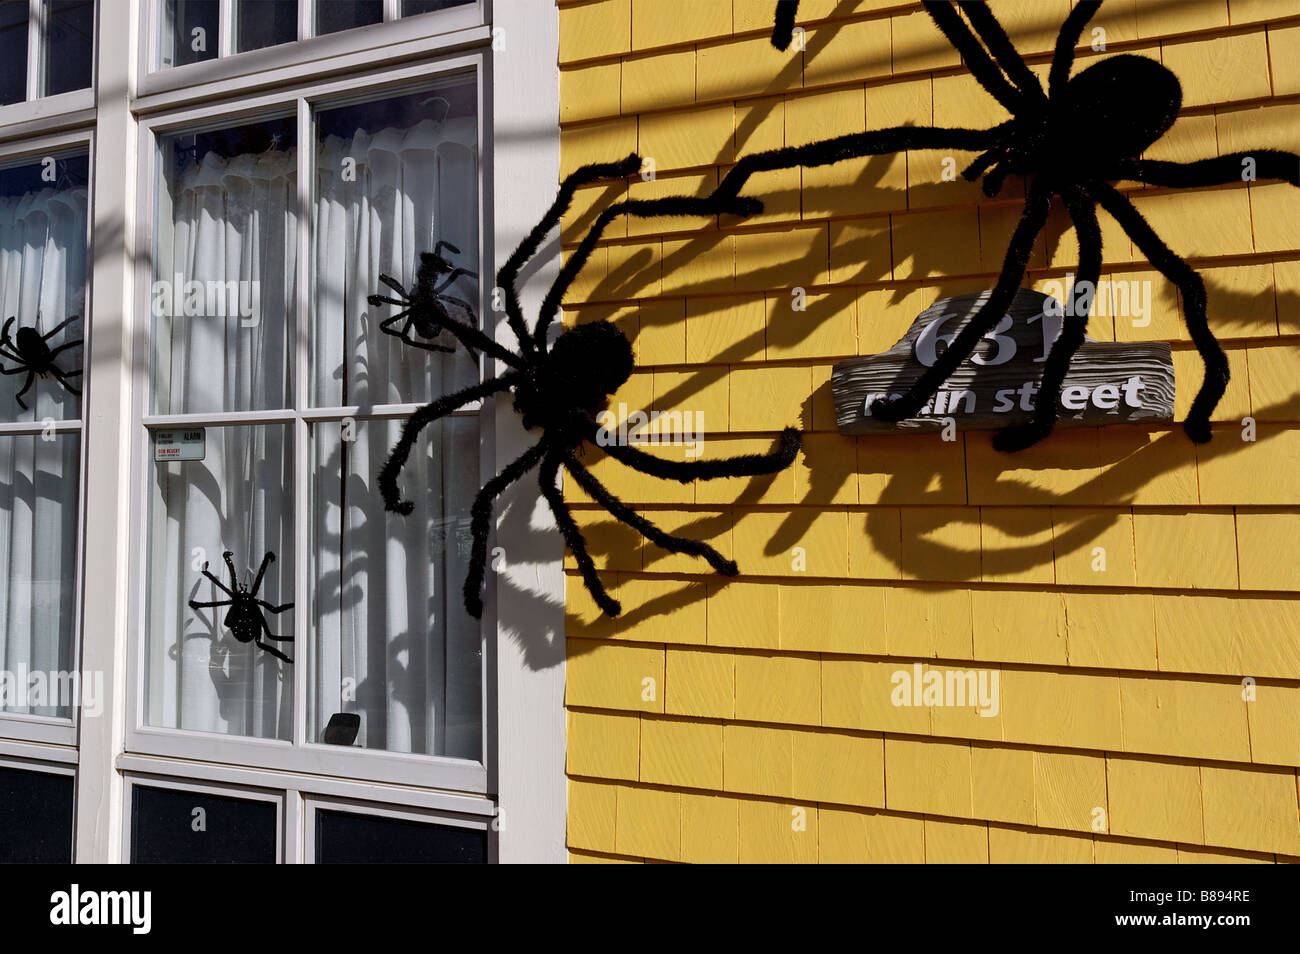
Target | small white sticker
(185,444)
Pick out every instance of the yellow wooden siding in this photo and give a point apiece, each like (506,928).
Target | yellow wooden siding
(751,719)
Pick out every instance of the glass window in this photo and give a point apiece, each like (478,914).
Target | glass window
(335,15)
(351,838)
(13,51)
(69,45)
(263,23)
(35,817)
(42,297)
(412,7)
(171,826)
(223,299)
(190,31)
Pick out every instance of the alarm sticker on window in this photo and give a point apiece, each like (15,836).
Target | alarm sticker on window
(182,444)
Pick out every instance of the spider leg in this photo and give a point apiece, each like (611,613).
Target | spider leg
(1220,170)
(641,208)
(221,586)
(378,300)
(195,604)
(654,534)
(526,249)
(454,274)
(394,284)
(1084,215)
(1003,50)
(481,522)
(261,570)
(1192,289)
(989,314)
(443,243)
(274,609)
(981,65)
(272,650)
(234,577)
(266,628)
(1066,41)
(59,327)
(18,370)
(573,536)
(684,471)
(476,340)
(406,335)
(31,377)
(418,421)
(783,23)
(63,379)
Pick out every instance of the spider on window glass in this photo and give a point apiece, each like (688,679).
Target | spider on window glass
(1073,140)
(427,307)
(559,388)
(35,357)
(244,619)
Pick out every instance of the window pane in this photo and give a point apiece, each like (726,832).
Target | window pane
(238,498)
(190,29)
(392,640)
(38,569)
(349,838)
(412,7)
(262,23)
(335,15)
(69,45)
(13,51)
(234,830)
(393,178)
(223,299)
(35,817)
(42,286)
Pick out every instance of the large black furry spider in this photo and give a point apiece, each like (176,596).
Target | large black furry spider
(35,357)
(560,387)
(1134,100)
(425,307)
(244,618)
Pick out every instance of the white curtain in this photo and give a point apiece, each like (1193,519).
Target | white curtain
(42,273)
(231,220)
(394,641)
(388,638)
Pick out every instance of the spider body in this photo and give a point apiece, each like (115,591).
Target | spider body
(245,618)
(559,387)
(1070,141)
(34,357)
(428,307)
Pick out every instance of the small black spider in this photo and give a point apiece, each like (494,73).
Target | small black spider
(244,619)
(426,306)
(34,355)
(1075,139)
(560,387)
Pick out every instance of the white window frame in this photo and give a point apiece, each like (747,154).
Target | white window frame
(395,39)
(524,703)
(38,111)
(52,730)
(376,765)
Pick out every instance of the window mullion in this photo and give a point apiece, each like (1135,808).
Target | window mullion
(226,37)
(306,19)
(35,66)
(302,435)
(392,10)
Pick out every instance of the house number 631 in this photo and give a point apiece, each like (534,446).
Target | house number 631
(927,343)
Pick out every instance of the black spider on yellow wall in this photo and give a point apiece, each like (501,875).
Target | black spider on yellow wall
(1134,100)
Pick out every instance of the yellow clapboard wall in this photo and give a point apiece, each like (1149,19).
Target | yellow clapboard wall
(750,719)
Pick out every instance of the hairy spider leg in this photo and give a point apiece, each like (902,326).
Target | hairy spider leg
(573,536)
(1219,170)
(481,521)
(1000,45)
(851,146)
(261,571)
(469,335)
(221,586)
(271,649)
(989,314)
(454,274)
(783,23)
(1192,289)
(443,243)
(981,65)
(526,249)
(638,208)
(195,604)
(684,471)
(1063,56)
(275,609)
(31,378)
(59,327)
(1083,212)
(417,422)
(656,535)
(63,376)
(18,370)
(405,333)
(234,577)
